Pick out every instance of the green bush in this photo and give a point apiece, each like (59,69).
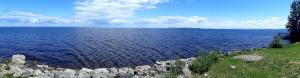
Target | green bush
(200,65)
(276,43)
(117,76)
(11,76)
(177,67)
(203,63)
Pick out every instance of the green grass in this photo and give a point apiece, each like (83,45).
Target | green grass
(277,63)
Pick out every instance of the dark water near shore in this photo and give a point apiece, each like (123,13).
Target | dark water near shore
(104,47)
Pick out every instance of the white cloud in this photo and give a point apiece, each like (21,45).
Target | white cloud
(273,22)
(120,13)
(111,9)
(175,20)
(202,22)
(164,20)
(29,18)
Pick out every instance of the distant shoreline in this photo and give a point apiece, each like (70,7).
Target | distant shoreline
(142,27)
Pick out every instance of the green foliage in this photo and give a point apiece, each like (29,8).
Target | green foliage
(8,76)
(276,43)
(11,76)
(117,76)
(5,66)
(200,65)
(176,69)
(215,56)
(7,62)
(203,63)
(293,24)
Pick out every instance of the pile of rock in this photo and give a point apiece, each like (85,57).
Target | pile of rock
(18,68)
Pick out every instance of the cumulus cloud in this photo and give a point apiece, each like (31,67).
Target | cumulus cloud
(112,9)
(120,13)
(30,18)
(175,20)
(273,22)
(164,20)
(202,22)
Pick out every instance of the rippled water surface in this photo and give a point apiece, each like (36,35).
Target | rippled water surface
(104,47)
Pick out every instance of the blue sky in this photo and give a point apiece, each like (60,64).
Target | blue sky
(229,14)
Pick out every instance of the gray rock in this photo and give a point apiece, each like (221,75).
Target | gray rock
(69,73)
(102,73)
(43,67)
(37,72)
(85,73)
(186,71)
(18,60)
(44,71)
(248,58)
(22,72)
(59,74)
(101,70)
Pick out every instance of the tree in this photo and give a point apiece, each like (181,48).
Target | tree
(293,24)
(276,43)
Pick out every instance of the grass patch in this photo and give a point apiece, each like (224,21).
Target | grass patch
(283,62)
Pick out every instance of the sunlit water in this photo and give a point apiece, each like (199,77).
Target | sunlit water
(104,47)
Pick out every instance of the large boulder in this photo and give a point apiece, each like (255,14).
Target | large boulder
(47,74)
(102,73)
(114,70)
(59,74)
(18,60)
(20,72)
(86,73)
(143,68)
(186,71)
(101,70)
(69,73)
(43,67)
(248,58)
(37,72)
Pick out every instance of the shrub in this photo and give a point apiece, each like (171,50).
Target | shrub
(200,65)
(7,76)
(11,76)
(203,63)
(214,56)
(177,67)
(276,43)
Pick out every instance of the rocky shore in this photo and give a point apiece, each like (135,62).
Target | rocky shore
(17,68)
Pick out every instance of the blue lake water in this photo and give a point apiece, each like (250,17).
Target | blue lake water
(107,47)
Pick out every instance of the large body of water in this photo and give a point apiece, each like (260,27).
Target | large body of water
(105,47)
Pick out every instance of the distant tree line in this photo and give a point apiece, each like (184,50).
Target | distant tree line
(293,24)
